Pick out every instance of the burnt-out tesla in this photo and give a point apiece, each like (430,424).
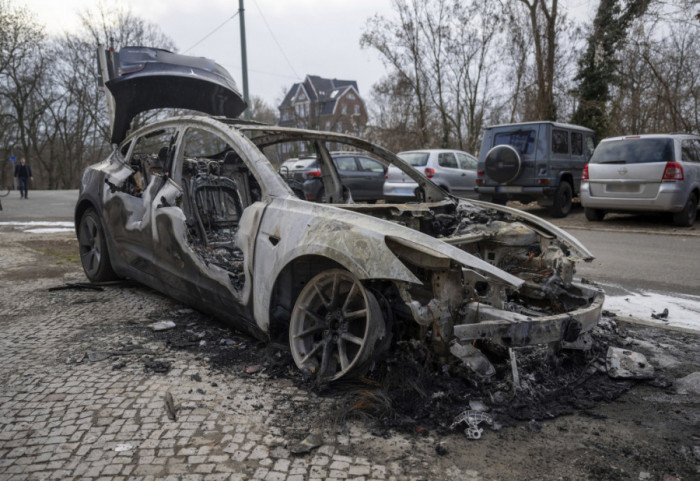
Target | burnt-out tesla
(193,207)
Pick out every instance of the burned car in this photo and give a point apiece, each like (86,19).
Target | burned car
(193,207)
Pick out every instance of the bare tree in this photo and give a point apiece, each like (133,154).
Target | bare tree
(261,111)
(401,48)
(543,24)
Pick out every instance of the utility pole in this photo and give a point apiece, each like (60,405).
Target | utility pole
(244,59)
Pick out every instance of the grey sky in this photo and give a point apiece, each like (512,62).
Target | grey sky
(319,37)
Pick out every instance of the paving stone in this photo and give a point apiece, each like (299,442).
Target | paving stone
(65,420)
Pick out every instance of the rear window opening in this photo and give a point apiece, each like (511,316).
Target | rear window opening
(633,151)
(416,159)
(522,140)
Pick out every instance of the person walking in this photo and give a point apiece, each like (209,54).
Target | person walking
(23,173)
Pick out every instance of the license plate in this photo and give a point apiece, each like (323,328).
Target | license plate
(622,187)
(508,188)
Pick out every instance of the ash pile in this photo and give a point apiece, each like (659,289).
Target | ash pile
(413,390)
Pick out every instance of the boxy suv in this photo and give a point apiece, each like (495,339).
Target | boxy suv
(529,161)
(658,172)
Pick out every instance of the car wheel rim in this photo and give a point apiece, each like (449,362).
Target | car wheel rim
(90,245)
(334,325)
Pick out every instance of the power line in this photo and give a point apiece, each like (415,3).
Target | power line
(281,75)
(212,32)
(275,39)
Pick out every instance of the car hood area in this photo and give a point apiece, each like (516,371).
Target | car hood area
(150,78)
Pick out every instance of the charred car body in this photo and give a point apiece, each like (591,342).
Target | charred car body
(192,207)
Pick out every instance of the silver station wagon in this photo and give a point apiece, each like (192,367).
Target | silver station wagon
(644,173)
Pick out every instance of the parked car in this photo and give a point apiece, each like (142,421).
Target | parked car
(362,175)
(528,161)
(192,207)
(644,173)
(453,170)
(293,171)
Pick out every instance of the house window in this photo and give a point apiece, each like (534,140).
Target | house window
(339,128)
(351,96)
(357,109)
(344,109)
(328,125)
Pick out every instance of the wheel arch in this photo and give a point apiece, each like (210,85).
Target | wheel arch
(567,177)
(287,286)
(80,210)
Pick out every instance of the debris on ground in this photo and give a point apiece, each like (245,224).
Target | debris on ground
(77,285)
(170,408)
(310,442)
(254,369)
(162,325)
(123,447)
(472,358)
(95,356)
(661,316)
(472,419)
(157,366)
(689,384)
(624,364)
(410,387)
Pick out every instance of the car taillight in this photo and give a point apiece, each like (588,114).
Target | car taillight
(584,174)
(313,173)
(429,173)
(673,171)
(480,173)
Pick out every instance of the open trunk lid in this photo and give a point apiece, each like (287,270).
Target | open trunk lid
(151,78)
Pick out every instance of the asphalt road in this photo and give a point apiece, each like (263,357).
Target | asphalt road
(658,262)
(42,205)
(637,252)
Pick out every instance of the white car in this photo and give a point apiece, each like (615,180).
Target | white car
(453,170)
(644,173)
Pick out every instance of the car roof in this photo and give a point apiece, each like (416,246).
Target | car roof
(430,151)
(652,136)
(560,125)
(152,78)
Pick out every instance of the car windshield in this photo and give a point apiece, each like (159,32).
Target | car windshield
(633,151)
(522,140)
(416,159)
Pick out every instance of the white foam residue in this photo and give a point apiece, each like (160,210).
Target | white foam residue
(38,223)
(41,227)
(683,309)
(49,230)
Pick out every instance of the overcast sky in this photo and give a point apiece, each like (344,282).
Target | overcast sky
(317,37)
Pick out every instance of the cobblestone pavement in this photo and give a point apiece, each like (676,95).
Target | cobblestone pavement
(84,382)
(76,401)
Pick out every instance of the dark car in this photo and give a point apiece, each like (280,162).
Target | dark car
(192,207)
(362,175)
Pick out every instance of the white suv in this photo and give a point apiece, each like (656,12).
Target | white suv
(659,172)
